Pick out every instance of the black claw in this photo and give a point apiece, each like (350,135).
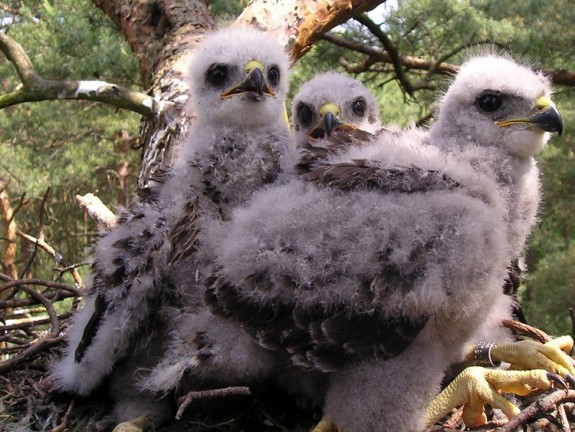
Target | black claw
(557,380)
(571,380)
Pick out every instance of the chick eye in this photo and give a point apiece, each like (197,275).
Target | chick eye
(217,74)
(358,107)
(274,75)
(305,115)
(490,102)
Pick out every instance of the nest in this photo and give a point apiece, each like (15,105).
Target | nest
(32,334)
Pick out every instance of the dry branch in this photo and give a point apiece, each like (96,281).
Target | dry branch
(527,330)
(54,254)
(96,209)
(300,23)
(187,399)
(558,77)
(39,344)
(25,349)
(538,408)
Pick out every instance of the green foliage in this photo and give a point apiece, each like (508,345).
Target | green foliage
(73,147)
(227,10)
(549,292)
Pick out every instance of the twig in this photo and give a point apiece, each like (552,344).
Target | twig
(409,62)
(39,344)
(563,418)
(62,426)
(187,399)
(558,77)
(539,407)
(51,251)
(57,296)
(527,330)
(40,232)
(30,323)
(50,284)
(391,49)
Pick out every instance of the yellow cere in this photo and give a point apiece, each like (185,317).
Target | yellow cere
(254,64)
(329,107)
(543,102)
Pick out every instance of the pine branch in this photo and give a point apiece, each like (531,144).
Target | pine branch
(300,23)
(557,76)
(391,49)
(35,88)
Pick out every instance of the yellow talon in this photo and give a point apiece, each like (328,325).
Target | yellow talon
(477,386)
(139,424)
(552,356)
(529,354)
(325,425)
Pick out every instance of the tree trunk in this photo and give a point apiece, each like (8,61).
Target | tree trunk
(10,250)
(161,34)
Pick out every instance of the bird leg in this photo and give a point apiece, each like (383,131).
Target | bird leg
(325,425)
(139,424)
(476,386)
(528,354)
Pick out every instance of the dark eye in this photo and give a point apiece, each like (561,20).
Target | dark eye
(274,75)
(489,102)
(217,74)
(305,115)
(358,107)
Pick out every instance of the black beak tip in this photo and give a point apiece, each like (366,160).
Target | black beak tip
(550,121)
(330,122)
(255,82)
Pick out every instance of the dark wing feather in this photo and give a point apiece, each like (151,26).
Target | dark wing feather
(184,233)
(342,139)
(313,337)
(368,175)
(511,288)
(133,256)
(91,328)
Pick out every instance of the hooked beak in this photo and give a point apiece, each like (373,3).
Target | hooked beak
(329,113)
(546,117)
(330,122)
(253,85)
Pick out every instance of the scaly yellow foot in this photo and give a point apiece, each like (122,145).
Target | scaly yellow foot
(476,386)
(528,354)
(325,425)
(139,424)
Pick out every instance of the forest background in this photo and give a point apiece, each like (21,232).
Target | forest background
(404,50)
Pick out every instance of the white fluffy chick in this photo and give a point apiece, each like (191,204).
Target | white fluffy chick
(330,101)
(383,290)
(148,267)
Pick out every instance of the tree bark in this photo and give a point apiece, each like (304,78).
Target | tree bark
(11,248)
(161,34)
(298,24)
